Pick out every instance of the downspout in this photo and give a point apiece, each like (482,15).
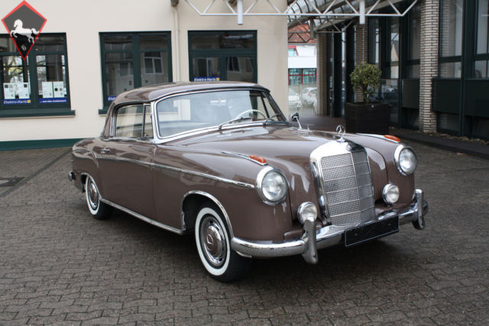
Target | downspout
(176,41)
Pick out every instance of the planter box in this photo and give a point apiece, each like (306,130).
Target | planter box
(372,118)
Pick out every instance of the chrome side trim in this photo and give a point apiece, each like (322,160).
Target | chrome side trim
(246,157)
(215,201)
(170,168)
(128,160)
(379,137)
(204,175)
(143,218)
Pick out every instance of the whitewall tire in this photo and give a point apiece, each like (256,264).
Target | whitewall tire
(214,246)
(99,210)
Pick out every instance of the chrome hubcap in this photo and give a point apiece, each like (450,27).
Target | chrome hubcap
(93,196)
(213,241)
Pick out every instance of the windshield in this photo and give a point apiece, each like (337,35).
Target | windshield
(201,110)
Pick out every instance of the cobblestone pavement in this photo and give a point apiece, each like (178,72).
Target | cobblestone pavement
(60,266)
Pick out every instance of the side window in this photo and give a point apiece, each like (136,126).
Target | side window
(129,121)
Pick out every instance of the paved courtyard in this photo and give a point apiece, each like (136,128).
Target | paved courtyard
(59,266)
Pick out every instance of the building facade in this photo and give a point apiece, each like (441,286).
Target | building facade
(89,52)
(434,61)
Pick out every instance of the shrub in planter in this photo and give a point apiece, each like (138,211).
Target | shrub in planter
(367,117)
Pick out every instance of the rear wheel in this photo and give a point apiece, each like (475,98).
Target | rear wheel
(214,246)
(99,210)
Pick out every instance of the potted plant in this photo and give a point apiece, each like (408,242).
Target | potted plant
(367,116)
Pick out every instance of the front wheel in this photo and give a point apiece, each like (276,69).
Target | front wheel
(99,210)
(214,247)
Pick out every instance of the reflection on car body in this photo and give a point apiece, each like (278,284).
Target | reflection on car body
(221,161)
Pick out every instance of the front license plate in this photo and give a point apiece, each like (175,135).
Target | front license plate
(371,231)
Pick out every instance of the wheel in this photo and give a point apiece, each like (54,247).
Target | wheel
(214,247)
(99,210)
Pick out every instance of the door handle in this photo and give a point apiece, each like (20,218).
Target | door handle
(105,150)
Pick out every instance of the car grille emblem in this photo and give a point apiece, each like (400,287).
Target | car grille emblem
(340,131)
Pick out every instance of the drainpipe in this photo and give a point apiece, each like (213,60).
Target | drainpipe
(240,12)
(176,29)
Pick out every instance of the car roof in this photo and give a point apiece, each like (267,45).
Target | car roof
(154,92)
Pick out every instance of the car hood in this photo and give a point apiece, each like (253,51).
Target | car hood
(275,144)
(285,148)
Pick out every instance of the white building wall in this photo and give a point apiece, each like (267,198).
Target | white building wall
(306,57)
(83,21)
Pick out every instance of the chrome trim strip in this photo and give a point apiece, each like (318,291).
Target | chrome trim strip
(170,168)
(246,157)
(204,175)
(141,217)
(217,202)
(196,132)
(379,137)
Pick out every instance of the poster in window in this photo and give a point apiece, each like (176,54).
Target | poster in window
(47,89)
(58,89)
(23,89)
(9,91)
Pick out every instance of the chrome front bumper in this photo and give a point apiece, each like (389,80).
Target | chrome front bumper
(328,236)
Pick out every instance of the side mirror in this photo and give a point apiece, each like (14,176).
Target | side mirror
(295,117)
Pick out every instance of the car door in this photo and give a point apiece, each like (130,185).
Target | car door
(126,157)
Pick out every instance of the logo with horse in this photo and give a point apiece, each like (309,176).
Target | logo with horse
(24,25)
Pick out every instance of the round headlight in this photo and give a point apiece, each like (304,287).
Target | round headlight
(406,160)
(390,193)
(271,185)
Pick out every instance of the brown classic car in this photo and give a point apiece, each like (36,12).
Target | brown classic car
(221,161)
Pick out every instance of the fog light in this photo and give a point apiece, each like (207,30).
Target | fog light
(307,212)
(390,194)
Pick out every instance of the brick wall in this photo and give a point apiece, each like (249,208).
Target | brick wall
(361,51)
(429,63)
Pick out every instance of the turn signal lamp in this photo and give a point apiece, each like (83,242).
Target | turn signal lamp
(394,138)
(258,159)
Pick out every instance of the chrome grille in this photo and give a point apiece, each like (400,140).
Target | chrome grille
(347,186)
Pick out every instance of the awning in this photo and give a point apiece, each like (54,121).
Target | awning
(323,12)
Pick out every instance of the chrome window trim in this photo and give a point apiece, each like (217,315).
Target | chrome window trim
(113,119)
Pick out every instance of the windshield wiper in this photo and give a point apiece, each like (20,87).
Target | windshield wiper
(267,120)
(234,121)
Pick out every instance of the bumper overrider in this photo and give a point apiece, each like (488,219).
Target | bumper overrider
(332,235)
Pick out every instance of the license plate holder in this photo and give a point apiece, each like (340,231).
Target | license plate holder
(371,231)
